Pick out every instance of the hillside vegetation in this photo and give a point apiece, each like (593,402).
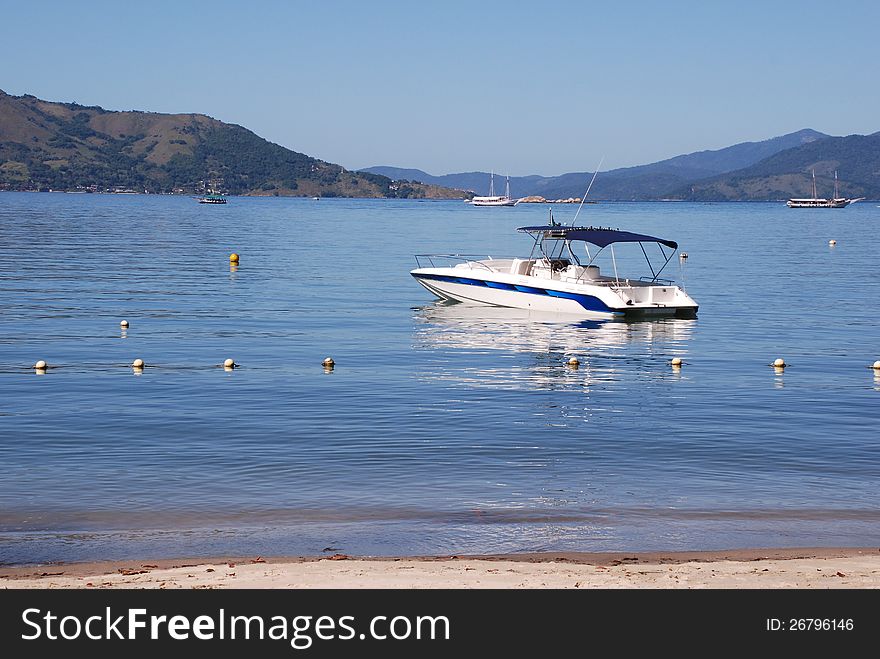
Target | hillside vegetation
(788,173)
(66,146)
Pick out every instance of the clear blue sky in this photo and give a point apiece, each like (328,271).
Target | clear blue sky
(515,87)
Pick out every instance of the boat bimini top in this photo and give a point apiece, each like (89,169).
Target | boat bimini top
(560,238)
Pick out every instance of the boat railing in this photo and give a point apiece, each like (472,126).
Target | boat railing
(658,280)
(471,260)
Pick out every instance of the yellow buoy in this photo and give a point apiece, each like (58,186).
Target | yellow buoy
(123,323)
(138,363)
(876,365)
(328,362)
(233,258)
(41,365)
(676,361)
(779,362)
(832,242)
(229,363)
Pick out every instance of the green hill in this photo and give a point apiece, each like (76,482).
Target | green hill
(66,146)
(788,173)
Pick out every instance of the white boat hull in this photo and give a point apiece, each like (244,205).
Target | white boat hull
(493,201)
(600,300)
(818,203)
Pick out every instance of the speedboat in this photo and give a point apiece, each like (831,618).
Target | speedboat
(556,278)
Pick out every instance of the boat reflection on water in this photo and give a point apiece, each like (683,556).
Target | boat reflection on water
(520,349)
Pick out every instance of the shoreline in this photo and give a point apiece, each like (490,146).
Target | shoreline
(821,568)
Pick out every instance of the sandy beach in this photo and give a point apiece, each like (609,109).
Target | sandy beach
(777,568)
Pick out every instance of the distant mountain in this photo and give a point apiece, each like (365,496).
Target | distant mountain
(477,182)
(651,181)
(66,146)
(788,173)
(655,180)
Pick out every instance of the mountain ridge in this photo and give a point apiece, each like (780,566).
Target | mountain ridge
(67,146)
(640,182)
(856,159)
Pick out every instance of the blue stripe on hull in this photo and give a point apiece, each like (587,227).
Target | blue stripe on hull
(588,302)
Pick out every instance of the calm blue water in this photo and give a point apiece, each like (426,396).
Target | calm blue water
(444,428)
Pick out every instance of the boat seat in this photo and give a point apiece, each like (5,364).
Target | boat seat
(591,272)
(521,267)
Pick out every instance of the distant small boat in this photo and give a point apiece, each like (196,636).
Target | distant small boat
(817,202)
(493,199)
(212,199)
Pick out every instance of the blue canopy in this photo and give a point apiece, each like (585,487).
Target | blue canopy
(595,235)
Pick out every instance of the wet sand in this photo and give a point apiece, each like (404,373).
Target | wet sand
(815,568)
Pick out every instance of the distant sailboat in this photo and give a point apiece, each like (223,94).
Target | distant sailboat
(493,199)
(816,202)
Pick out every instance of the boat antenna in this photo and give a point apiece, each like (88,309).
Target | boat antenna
(584,198)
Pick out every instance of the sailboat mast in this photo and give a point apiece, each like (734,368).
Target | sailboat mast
(492,184)
(815,196)
(836,190)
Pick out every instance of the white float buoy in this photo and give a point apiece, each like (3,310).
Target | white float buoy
(876,365)
(676,361)
(683,255)
(41,365)
(574,362)
(137,363)
(779,362)
(123,323)
(229,363)
(832,242)
(328,362)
